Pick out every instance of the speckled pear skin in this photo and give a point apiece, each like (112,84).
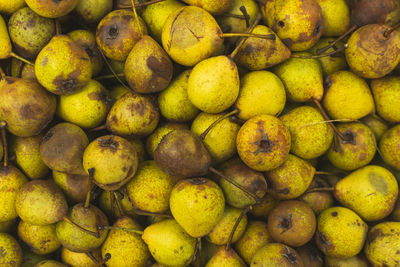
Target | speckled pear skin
(62,66)
(371,54)
(224,257)
(50,8)
(41,239)
(92,11)
(49,263)
(336,15)
(340,232)
(214,7)
(387,97)
(197,204)
(11,251)
(274,254)
(80,259)
(10,7)
(377,125)
(6,47)
(75,187)
(389,146)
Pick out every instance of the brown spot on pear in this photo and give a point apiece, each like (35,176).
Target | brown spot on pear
(276,254)
(10,251)
(80,259)
(311,255)
(75,187)
(365,12)
(52,8)
(387,97)
(6,49)
(41,239)
(390,147)
(319,200)
(224,257)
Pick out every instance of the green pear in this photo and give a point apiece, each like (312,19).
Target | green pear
(259,54)
(302,78)
(220,140)
(62,148)
(30,32)
(50,8)
(124,247)
(169,244)
(370,191)
(197,204)
(347,96)
(92,11)
(224,257)
(213,84)
(41,202)
(80,259)
(388,146)
(319,200)
(387,97)
(371,53)
(291,179)
(41,239)
(256,88)
(30,258)
(11,252)
(336,15)
(174,102)
(376,124)
(276,254)
(10,7)
(75,187)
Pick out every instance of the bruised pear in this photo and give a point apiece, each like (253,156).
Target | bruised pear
(41,239)
(75,187)
(276,254)
(111,160)
(62,148)
(148,68)
(311,255)
(388,146)
(11,252)
(25,106)
(263,207)
(181,153)
(51,8)
(365,12)
(197,204)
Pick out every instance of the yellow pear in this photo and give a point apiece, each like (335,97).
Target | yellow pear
(276,254)
(376,124)
(50,263)
(11,252)
(214,7)
(336,15)
(387,97)
(355,261)
(80,259)
(225,258)
(41,239)
(388,146)
(6,47)
(50,8)
(10,7)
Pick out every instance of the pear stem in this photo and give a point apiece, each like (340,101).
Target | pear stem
(90,255)
(322,55)
(99,128)
(3,125)
(235,184)
(102,227)
(112,70)
(104,77)
(87,200)
(148,3)
(58,27)
(388,32)
(320,189)
(246,15)
(21,58)
(238,34)
(242,214)
(323,173)
(120,212)
(250,29)
(203,135)
(324,49)
(137,19)
(95,234)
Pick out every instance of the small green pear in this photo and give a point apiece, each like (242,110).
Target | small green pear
(388,146)
(41,239)
(340,232)
(169,244)
(41,202)
(370,191)
(11,252)
(347,96)
(124,247)
(50,8)
(224,257)
(9,7)
(92,11)
(75,187)
(174,102)
(376,124)
(276,254)
(80,259)
(256,88)
(387,97)
(197,204)
(336,15)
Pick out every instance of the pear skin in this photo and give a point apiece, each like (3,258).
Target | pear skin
(10,7)
(356,261)
(387,97)
(214,7)
(11,251)
(92,11)
(75,187)
(50,8)
(50,263)
(41,239)
(376,124)
(318,201)
(375,195)
(389,147)
(80,259)
(336,15)
(262,209)
(225,257)
(276,254)
(6,48)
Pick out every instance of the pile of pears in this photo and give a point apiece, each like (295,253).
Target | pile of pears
(225,133)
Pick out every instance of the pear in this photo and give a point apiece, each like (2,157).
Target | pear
(220,140)
(87,41)
(375,11)
(92,11)
(30,32)
(263,142)
(259,54)
(62,148)
(336,15)
(383,243)
(89,218)
(371,53)
(347,96)
(10,7)
(211,6)
(28,72)
(375,195)
(107,202)
(41,202)
(133,114)
(256,88)
(150,188)
(298,23)
(292,222)
(6,49)
(11,252)
(155,138)
(318,201)
(276,254)
(263,207)
(302,78)
(156,14)
(111,161)
(41,239)
(340,232)
(117,92)
(356,150)
(80,259)
(311,255)
(27,156)
(87,108)
(253,181)
(291,179)
(224,257)
(387,97)
(219,235)
(62,66)
(356,261)
(75,187)
(11,180)
(190,35)
(181,153)
(255,237)
(169,244)
(25,106)
(174,102)
(197,204)
(376,124)
(50,263)
(117,33)
(213,84)
(139,146)
(29,258)
(388,147)
(125,248)
(50,8)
